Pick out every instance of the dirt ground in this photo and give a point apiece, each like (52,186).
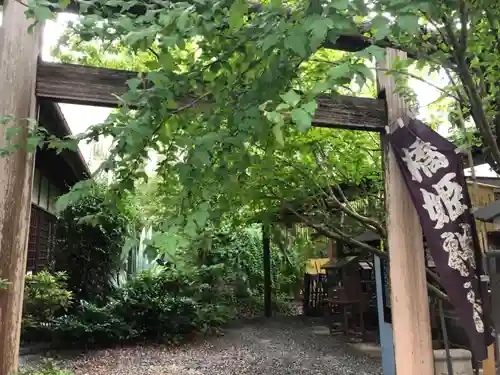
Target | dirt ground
(278,346)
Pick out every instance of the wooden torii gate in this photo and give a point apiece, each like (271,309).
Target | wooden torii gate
(24,79)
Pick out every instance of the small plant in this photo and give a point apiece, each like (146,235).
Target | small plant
(45,295)
(47,367)
(4,284)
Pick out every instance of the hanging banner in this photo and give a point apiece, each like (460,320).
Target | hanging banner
(433,173)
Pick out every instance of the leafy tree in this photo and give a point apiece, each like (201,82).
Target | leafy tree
(300,176)
(229,90)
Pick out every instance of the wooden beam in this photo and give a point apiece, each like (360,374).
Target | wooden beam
(409,300)
(78,84)
(18,57)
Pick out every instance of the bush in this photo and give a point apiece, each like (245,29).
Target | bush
(91,232)
(47,368)
(204,288)
(45,295)
(164,306)
(90,325)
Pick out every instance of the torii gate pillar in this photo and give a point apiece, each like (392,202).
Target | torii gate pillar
(409,301)
(18,59)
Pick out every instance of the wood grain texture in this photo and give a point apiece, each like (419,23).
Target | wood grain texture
(77,84)
(409,300)
(18,57)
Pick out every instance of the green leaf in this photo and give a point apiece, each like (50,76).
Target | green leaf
(43,13)
(191,228)
(340,4)
(310,107)
(375,51)
(319,30)
(202,156)
(283,106)
(382,26)
(278,133)
(341,71)
(133,83)
(291,98)
(63,4)
(32,143)
(409,23)
(166,241)
(302,119)
(183,20)
(237,14)
(364,73)
(270,41)
(421,64)
(274,117)
(201,216)
(320,87)
(166,60)
(78,190)
(297,41)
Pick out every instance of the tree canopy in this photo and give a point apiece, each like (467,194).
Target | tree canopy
(227,92)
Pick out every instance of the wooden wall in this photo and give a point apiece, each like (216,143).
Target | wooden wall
(481,195)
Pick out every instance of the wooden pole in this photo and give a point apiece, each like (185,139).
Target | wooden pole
(409,301)
(18,58)
(266,244)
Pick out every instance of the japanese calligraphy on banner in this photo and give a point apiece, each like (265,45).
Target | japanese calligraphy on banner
(433,173)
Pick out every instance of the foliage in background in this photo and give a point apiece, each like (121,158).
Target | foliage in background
(214,279)
(137,255)
(91,232)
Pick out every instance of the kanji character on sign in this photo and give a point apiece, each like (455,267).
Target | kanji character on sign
(447,204)
(422,156)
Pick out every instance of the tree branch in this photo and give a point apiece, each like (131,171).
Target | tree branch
(477,109)
(463,26)
(344,205)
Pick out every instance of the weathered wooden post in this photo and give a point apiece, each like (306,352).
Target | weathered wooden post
(409,301)
(18,57)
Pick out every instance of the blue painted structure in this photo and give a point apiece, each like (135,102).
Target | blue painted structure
(385,327)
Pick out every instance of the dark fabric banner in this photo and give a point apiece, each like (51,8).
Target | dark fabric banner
(433,173)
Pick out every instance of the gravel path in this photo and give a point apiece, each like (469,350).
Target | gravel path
(278,346)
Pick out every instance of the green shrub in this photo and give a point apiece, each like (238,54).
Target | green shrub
(45,295)
(91,233)
(47,367)
(90,325)
(157,306)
